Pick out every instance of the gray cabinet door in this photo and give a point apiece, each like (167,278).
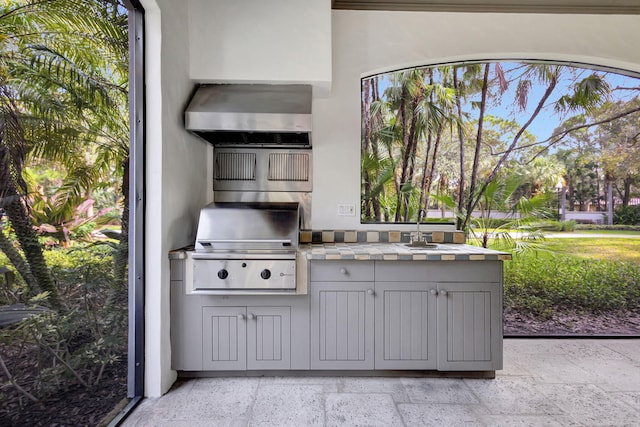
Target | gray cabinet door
(342,325)
(224,338)
(268,337)
(469,327)
(405,336)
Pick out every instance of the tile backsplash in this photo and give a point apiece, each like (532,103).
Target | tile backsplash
(363,236)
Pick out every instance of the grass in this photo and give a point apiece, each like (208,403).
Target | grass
(596,248)
(608,232)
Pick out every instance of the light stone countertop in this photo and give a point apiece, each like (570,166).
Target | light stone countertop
(399,252)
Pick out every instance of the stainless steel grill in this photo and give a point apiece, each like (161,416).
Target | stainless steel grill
(244,247)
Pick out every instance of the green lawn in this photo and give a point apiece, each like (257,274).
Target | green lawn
(613,232)
(597,248)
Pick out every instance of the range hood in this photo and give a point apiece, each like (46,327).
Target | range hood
(246,114)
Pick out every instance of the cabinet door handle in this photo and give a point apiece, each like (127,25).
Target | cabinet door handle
(251,316)
(241,316)
(443,293)
(434,292)
(343,270)
(370,292)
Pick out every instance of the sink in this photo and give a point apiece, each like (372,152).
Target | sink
(422,245)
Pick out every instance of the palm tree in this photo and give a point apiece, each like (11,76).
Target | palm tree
(62,82)
(401,135)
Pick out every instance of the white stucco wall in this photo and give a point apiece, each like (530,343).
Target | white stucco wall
(174,192)
(367,42)
(285,41)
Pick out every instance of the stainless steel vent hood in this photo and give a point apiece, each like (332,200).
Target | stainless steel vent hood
(245,114)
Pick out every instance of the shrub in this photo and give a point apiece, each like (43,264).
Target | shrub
(551,225)
(539,282)
(618,227)
(627,215)
(80,343)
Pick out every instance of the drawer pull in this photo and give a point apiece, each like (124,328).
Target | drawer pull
(343,270)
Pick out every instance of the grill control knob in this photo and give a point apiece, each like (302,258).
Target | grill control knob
(223,274)
(265,274)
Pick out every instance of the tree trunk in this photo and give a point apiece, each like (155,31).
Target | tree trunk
(626,195)
(32,249)
(476,155)
(366,147)
(571,197)
(432,168)
(461,182)
(21,266)
(374,147)
(474,196)
(425,185)
(402,120)
(609,200)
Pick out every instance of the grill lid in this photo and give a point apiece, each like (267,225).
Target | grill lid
(251,114)
(248,226)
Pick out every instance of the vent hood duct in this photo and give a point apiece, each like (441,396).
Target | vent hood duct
(245,114)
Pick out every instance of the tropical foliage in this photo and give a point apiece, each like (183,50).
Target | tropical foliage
(63,98)
(63,162)
(452,130)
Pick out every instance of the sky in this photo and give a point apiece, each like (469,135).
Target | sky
(547,120)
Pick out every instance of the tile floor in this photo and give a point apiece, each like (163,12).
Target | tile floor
(543,383)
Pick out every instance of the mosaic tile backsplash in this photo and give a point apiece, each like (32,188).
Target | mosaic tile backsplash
(359,236)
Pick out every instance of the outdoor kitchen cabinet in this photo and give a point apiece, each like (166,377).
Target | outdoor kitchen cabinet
(469,326)
(236,332)
(443,316)
(239,338)
(405,325)
(342,299)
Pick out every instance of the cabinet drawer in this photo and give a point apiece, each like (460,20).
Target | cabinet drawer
(342,271)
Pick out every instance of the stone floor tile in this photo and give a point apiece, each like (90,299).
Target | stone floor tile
(167,407)
(438,415)
(613,375)
(191,423)
(438,390)
(531,346)
(589,405)
(512,395)
(329,384)
(630,348)
(521,421)
(361,409)
(513,366)
(555,368)
(391,386)
(587,349)
(220,400)
(288,405)
(630,398)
